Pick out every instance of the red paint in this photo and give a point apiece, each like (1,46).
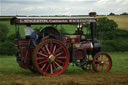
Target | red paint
(79,54)
(72,39)
(22,46)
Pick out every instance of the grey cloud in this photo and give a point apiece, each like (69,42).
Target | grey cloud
(44,1)
(54,7)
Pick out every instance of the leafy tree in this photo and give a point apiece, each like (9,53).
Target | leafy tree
(3,32)
(11,37)
(106,28)
(7,48)
(105,24)
(112,13)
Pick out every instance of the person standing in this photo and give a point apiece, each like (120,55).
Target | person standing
(35,36)
(28,31)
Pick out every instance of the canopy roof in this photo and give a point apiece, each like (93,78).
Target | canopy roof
(52,20)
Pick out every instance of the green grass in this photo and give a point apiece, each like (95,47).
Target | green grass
(8,65)
(120,62)
(12,74)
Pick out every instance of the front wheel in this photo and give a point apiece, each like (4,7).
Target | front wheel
(50,57)
(102,62)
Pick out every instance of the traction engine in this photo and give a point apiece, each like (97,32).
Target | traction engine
(54,51)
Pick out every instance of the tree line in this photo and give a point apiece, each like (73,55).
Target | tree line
(124,13)
(7,43)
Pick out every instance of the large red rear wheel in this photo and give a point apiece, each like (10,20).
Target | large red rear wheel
(50,57)
(102,62)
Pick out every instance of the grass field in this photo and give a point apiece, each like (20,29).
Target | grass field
(12,74)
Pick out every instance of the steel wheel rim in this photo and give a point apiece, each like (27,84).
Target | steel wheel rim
(102,62)
(51,57)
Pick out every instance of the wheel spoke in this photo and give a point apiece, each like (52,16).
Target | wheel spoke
(58,65)
(43,61)
(99,67)
(59,61)
(40,58)
(54,66)
(54,49)
(51,45)
(59,54)
(42,54)
(106,65)
(47,67)
(51,68)
(58,50)
(102,68)
(61,57)
(101,57)
(105,58)
(47,49)
(44,51)
(43,66)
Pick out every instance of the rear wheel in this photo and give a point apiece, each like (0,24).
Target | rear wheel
(102,62)
(51,32)
(50,57)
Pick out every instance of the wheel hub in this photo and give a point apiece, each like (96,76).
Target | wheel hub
(102,62)
(52,58)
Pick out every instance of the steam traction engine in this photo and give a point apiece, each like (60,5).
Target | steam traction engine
(55,51)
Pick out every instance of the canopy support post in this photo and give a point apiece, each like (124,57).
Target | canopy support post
(93,30)
(17,32)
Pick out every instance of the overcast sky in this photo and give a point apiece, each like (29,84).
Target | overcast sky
(62,7)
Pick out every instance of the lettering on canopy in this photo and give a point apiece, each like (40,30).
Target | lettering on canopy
(23,21)
(49,20)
